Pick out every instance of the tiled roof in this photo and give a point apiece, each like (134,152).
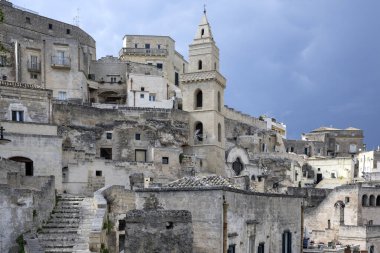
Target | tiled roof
(207,181)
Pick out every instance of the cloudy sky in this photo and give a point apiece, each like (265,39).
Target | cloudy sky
(308,63)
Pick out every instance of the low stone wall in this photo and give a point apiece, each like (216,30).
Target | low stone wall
(232,114)
(97,234)
(25,209)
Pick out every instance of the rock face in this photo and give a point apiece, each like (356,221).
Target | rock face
(156,230)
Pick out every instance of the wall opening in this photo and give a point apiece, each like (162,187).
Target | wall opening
(29,169)
(198,99)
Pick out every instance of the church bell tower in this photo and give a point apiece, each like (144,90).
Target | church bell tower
(203,97)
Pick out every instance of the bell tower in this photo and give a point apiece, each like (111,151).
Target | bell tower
(203,96)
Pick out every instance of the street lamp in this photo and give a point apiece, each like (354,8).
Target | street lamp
(2,139)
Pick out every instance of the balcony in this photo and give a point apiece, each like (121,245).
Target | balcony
(143,51)
(34,66)
(60,62)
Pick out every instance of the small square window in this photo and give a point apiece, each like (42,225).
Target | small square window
(109,136)
(165,160)
(141,95)
(50,26)
(136,45)
(147,46)
(137,137)
(98,173)
(4,77)
(159,65)
(347,199)
(68,31)
(27,20)
(142,89)
(33,76)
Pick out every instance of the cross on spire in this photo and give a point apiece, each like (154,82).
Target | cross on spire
(204,8)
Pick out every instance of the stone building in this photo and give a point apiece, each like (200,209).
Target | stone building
(26,115)
(369,165)
(227,219)
(45,52)
(347,215)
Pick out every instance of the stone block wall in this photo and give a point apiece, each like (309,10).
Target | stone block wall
(158,231)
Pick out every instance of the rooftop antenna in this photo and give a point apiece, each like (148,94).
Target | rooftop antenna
(76,19)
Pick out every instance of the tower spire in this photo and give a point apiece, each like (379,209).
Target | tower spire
(204,9)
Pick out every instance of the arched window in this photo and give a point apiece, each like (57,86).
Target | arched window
(372,200)
(219,132)
(198,99)
(198,135)
(378,201)
(365,200)
(237,166)
(202,32)
(199,64)
(219,102)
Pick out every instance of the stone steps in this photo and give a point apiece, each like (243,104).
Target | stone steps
(66,231)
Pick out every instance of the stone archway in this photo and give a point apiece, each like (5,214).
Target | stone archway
(29,169)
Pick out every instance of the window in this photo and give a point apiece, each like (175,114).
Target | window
(370,223)
(328,224)
(378,200)
(165,160)
(287,242)
(202,32)
(364,200)
(159,65)
(122,224)
(219,102)
(219,132)
(352,148)
(98,173)
(50,26)
(372,200)
(147,46)
(198,135)
(140,155)
(142,89)
(3,60)
(199,64)
(4,77)
(333,175)
(237,166)
(106,153)
(141,95)
(18,116)
(231,248)
(27,20)
(291,149)
(68,31)
(260,249)
(62,95)
(176,79)
(60,57)
(109,136)
(337,147)
(33,76)
(113,79)
(34,62)
(137,137)
(199,99)
(158,46)
(372,249)
(347,199)
(152,97)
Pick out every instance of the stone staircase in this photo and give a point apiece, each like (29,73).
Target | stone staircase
(68,228)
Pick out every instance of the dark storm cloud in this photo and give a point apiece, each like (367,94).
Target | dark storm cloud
(307,63)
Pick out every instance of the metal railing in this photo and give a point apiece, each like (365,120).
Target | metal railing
(60,62)
(34,66)
(143,51)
